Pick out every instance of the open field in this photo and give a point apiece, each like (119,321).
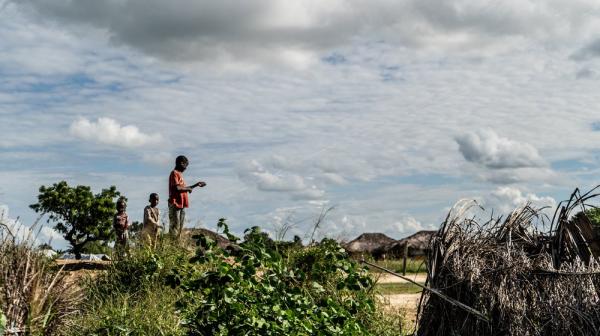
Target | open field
(399,294)
(413,265)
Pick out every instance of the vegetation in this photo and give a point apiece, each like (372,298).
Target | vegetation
(398,288)
(506,277)
(413,265)
(131,296)
(250,290)
(35,297)
(77,213)
(258,291)
(256,287)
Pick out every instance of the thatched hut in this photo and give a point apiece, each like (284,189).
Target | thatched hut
(418,246)
(366,243)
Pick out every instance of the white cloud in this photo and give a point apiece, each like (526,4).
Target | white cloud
(408,225)
(109,131)
(503,200)
(279,180)
(486,148)
(370,130)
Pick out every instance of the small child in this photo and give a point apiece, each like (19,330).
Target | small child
(151,221)
(121,226)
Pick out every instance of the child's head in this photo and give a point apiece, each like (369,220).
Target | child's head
(121,205)
(153,199)
(181,163)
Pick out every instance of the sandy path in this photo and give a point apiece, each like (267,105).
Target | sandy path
(388,278)
(406,302)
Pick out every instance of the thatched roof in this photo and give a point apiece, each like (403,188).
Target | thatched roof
(418,244)
(419,240)
(368,242)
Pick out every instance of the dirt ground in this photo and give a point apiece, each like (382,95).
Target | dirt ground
(406,302)
(388,278)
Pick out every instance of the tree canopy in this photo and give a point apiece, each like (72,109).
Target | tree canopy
(81,216)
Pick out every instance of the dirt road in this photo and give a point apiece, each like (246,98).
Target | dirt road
(407,302)
(388,278)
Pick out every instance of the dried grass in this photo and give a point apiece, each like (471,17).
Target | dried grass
(34,296)
(523,279)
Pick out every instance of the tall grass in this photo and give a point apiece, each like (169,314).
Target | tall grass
(35,297)
(131,298)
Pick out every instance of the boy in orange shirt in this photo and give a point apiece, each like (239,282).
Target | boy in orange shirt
(178,196)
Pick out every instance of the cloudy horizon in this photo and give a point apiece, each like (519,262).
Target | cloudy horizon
(388,111)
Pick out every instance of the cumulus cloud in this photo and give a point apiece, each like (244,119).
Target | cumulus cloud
(295,32)
(503,200)
(279,181)
(408,224)
(109,131)
(486,148)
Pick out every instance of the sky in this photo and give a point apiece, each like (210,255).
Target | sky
(390,111)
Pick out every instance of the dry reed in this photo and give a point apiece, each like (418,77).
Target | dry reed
(34,296)
(524,275)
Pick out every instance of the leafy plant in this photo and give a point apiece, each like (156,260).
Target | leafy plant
(131,297)
(78,214)
(260,292)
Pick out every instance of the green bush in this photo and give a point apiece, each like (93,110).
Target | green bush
(317,290)
(252,290)
(131,298)
(148,312)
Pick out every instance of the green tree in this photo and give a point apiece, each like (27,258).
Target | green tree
(77,213)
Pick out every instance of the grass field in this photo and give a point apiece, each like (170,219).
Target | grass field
(413,265)
(398,288)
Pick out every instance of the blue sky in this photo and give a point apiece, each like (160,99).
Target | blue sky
(391,111)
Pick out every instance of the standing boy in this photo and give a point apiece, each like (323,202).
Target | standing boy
(151,221)
(121,225)
(178,196)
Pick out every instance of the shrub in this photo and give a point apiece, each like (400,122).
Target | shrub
(258,291)
(131,298)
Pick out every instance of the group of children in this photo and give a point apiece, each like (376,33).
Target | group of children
(178,202)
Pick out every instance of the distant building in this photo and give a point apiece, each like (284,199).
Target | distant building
(380,246)
(366,243)
(418,245)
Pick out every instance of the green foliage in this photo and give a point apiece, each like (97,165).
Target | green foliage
(131,298)
(413,265)
(77,213)
(313,291)
(398,288)
(147,312)
(594,215)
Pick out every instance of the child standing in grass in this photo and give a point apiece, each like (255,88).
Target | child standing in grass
(121,226)
(151,221)
(178,197)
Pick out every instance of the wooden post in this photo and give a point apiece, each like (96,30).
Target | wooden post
(404,258)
